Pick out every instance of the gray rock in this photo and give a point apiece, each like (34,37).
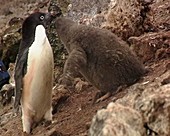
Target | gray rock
(117,120)
(154,104)
(85,11)
(6,94)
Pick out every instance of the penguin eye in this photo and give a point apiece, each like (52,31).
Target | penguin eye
(42,17)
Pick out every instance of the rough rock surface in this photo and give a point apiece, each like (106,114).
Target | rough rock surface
(157,17)
(10,41)
(7,91)
(152,46)
(154,104)
(6,94)
(124,17)
(88,12)
(117,120)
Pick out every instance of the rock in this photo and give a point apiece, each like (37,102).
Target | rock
(15,21)
(6,94)
(121,17)
(10,41)
(7,91)
(117,120)
(154,104)
(153,80)
(124,17)
(151,46)
(11,71)
(157,17)
(88,12)
(151,99)
(63,4)
(166,81)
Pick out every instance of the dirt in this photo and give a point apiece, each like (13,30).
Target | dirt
(74,113)
(73,118)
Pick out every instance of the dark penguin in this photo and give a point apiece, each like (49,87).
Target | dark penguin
(99,55)
(34,72)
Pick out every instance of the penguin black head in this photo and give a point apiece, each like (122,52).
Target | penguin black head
(31,22)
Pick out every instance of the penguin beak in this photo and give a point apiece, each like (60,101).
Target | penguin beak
(47,20)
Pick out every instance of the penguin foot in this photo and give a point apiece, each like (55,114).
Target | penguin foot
(104,97)
(65,80)
(16,111)
(27,123)
(99,97)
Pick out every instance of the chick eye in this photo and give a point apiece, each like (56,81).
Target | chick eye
(42,17)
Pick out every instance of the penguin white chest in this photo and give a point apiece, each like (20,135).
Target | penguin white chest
(38,81)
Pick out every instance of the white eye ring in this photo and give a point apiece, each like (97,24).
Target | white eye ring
(42,17)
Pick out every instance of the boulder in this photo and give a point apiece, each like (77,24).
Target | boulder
(154,105)
(151,46)
(117,120)
(10,41)
(157,16)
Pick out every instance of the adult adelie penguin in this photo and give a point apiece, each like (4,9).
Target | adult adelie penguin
(34,72)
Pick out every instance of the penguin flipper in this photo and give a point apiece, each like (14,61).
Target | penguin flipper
(77,59)
(20,71)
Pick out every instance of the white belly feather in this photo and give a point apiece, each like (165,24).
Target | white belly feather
(38,81)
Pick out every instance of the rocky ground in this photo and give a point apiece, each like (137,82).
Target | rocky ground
(139,110)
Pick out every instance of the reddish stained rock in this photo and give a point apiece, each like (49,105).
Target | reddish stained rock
(124,18)
(158,16)
(151,46)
